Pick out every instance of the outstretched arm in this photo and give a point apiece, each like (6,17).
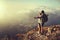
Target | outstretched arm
(37,17)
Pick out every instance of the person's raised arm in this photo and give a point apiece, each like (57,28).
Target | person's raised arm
(36,17)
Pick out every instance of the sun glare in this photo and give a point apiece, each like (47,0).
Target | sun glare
(2,10)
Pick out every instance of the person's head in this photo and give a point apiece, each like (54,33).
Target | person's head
(42,11)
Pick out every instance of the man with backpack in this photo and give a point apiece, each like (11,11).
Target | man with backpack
(42,18)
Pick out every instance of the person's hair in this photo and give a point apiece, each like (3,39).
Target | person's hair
(42,11)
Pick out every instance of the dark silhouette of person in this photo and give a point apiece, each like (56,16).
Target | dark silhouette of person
(44,17)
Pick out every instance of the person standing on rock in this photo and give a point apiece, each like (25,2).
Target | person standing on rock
(42,18)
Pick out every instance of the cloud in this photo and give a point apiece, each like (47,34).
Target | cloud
(18,16)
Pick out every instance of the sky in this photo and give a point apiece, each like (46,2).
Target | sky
(12,11)
(15,13)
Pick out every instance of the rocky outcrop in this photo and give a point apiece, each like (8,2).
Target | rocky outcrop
(49,33)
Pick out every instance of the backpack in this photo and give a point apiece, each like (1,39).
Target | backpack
(45,18)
